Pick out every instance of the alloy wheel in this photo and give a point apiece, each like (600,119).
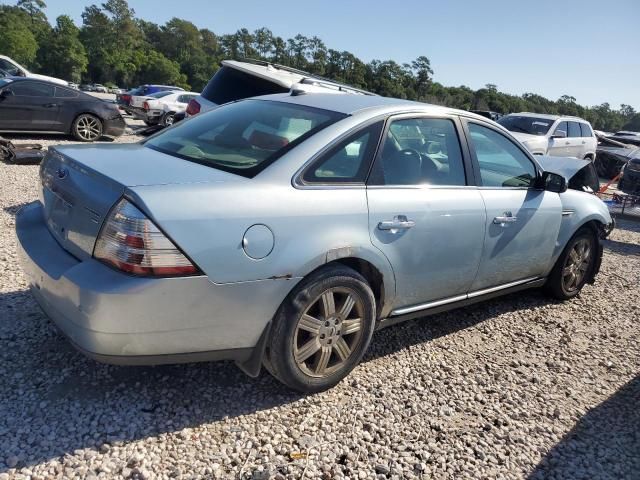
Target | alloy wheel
(89,128)
(328,332)
(576,265)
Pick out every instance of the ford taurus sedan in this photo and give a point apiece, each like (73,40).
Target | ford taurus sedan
(283,230)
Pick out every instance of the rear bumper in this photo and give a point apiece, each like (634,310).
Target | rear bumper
(114,127)
(121,319)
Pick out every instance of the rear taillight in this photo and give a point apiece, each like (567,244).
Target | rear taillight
(193,107)
(145,105)
(126,98)
(131,242)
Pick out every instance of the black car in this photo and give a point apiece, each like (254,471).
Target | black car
(32,105)
(630,179)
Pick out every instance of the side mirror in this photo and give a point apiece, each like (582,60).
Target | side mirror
(559,134)
(552,182)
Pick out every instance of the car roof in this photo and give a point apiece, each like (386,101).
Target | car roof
(545,115)
(352,104)
(31,79)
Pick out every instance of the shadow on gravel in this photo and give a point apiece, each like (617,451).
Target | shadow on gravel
(622,248)
(604,444)
(54,400)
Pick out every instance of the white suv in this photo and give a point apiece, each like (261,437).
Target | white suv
(250,78)
(11,68)
(554,135)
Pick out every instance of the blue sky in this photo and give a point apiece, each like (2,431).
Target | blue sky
(585,48)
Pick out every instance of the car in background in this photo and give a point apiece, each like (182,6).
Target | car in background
(614,153)
(554,135)
(34,105)
(85,87)
(334,214)
(626,133)
(161,107)
(495,116)
(629,181)
(115,90)
(11,68)
(236,80)
(124,100)
(99,88)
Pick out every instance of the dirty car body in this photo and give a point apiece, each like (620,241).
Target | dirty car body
(186,247)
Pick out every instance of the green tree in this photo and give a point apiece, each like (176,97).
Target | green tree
(16,39)
(66,56)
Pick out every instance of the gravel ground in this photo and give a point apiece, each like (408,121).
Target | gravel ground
(519,387)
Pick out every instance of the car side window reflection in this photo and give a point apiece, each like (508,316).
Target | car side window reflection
(347,162)
(32,89)
(502,163)
(420,151)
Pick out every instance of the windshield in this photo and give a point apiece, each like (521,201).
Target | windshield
(530,125)
(243,137)
(229,84)
(9,68)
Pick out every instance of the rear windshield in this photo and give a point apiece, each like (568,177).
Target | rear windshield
(530,125)
(243,137)
(229,84)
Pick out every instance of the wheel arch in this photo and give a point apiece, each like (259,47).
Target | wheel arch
(75,116)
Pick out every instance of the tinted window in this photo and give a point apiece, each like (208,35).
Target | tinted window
(243,137)
(530,125)
(502,163)
(347,162)
(65,93)
(574,129)
(562,127)
(186,98)
(32,89)
(419,151)
(160,94)
(586,130)
(9,68)
(229,84)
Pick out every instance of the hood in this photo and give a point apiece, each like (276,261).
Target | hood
(567,167)
(134,165)
(526,137)
(49,79)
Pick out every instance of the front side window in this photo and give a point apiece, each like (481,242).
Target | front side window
(574,129)
(501,162)
(562,128)
(420,151)
(32,89)
(347,162)
(243,137)
(62,92)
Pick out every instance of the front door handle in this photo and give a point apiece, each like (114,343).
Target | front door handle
(567,143)
(399,222)
(504,219)
(50,105)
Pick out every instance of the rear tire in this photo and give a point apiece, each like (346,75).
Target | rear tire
(87,128)
(167,119)
(322,330)
(575,265)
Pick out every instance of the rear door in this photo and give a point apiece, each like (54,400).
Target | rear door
(522,222)
(425,215)
(559,147)
(34,106)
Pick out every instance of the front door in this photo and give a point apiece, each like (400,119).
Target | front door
(576,142)
(522,222)
(422,214)
(559,146)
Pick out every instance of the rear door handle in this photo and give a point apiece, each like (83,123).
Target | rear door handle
(399,222)
(505,219)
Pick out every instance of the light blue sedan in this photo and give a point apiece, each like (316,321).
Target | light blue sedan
(283,230)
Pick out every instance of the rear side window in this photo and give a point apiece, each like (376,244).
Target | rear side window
(32,89)
(502,163)
(65,93)
(243,137)
(420,151)
(586,130)
(574,129)
(229,84)
(347,162)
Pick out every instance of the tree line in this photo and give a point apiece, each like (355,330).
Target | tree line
(114,47)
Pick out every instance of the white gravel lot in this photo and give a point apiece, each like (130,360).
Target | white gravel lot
(519,387)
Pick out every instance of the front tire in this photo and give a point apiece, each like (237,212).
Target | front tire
(322,330)
(167,119)
(575,265)
(87,128)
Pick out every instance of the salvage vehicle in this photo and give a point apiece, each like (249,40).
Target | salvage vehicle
(613,153)
(31,105)
(11,68)
(236,80)
(629,181)
(555,135)
(125,100)
(160,108)
(283,230)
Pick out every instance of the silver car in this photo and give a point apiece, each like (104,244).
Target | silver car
(283,230)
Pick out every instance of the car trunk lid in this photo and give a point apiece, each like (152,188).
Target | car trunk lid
(81,183)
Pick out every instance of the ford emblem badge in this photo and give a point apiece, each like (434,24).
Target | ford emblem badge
(62,173)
